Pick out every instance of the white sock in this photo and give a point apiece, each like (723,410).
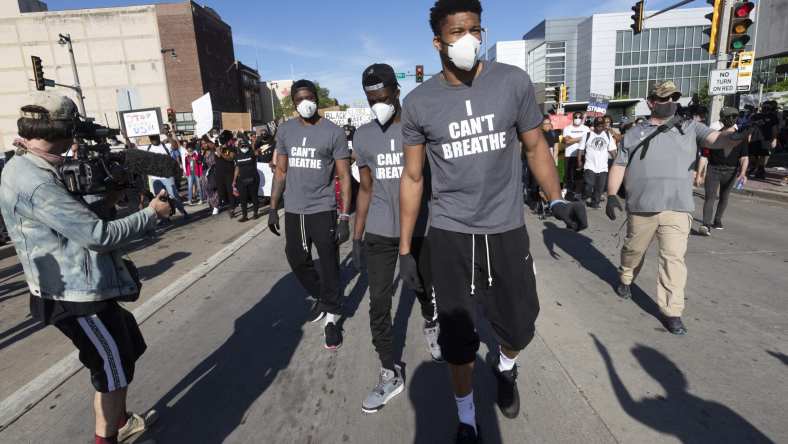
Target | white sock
(331,318)
(466,410)
(505,364)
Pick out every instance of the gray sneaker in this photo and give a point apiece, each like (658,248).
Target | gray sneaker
(390,385)
(431,331)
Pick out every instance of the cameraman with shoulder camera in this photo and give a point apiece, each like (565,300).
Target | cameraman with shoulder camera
(657,161)
(72,262)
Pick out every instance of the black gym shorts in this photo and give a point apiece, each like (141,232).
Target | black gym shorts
(109,344)
(509,301)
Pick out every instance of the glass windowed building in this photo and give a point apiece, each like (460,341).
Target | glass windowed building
(600,55)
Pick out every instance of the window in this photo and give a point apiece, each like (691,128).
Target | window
(619,41)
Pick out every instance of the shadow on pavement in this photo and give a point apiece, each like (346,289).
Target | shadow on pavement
(212,400)
(782,357)
(19,332)
(582,250)
(436,412)
(688,418)
(148,272)
(350,301)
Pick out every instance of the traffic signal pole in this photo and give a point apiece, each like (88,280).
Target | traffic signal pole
(81,101)
(717,102)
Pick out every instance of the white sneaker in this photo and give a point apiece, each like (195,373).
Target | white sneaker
(215,211)
(136,424)
(431,331)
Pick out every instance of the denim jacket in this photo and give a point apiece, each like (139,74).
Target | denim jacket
(67,252)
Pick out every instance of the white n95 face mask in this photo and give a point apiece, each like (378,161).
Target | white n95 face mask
(577,122)
(383,112)
(464,52)
(306,108)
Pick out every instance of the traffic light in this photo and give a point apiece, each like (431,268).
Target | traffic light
(171,115)
(419,73)
(557,94)
(740,23)
(38,72)
(564,93)
(637,17)
(713,31)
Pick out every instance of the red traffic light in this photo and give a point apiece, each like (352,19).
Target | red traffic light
(743,9)
(419,73)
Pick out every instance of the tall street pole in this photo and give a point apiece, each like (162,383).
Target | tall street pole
(717,102)
(66,39)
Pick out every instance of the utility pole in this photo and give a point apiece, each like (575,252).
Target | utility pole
(717,102)
(66,40)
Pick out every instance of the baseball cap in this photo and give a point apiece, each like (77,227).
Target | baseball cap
(378,76)
(665,90)
(729,111)
(47,105)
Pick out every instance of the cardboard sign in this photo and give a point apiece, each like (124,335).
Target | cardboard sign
(141,122)
(237,121)
(723,82)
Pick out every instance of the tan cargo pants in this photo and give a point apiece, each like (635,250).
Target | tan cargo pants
(672,230)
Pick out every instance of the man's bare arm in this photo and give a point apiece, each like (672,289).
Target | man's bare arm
(343,173)
(278,186)
(726,140)
(541,162)
(362,202)
(615,178)
(411,188)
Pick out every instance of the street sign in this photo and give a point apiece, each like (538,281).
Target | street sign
(744,62)
(723,82)
(401,75)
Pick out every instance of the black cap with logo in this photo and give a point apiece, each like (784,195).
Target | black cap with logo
(378,76)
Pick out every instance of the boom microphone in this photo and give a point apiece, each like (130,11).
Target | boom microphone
(146,163)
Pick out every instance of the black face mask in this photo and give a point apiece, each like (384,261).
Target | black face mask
(664,110)
(728,122)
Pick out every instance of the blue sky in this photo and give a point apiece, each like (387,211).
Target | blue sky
(333,41)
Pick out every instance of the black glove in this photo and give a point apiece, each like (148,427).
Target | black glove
(610,207)
(409,272)
(273,221)
(343,231)
(358,252)
(572,213)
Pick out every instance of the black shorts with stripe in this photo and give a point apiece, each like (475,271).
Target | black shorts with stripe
(109,344)
(495,271)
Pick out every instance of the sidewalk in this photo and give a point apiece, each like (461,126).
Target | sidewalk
(774,187)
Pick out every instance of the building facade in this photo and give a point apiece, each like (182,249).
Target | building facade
(150,56)
(600,55)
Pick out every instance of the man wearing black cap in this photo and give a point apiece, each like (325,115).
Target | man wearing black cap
(657,160)
(378,154)
(309,149)
(721,170)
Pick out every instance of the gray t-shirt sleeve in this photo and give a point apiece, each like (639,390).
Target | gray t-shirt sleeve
(412,132)
(701,132)
(341,150)
(622,156)
(358,150)
(279,140)
(528,116)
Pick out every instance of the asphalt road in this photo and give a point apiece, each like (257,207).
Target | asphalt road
(231,359)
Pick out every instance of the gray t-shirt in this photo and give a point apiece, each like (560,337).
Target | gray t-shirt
(471,136)
(662,180)
(311,151)
(381,152)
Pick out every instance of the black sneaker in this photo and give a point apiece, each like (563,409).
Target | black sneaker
(333,336)
(624,291)
(467,435)
(315,314)
(718,226)
(508,394)
(243,219)
(675,326)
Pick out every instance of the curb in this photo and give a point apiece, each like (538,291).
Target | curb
(29,395)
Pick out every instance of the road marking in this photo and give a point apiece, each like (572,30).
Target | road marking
(30,394)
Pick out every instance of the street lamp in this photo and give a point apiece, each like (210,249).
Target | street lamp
(65,40)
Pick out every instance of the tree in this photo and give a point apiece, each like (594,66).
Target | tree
(324,97)
(284,108)
(703,94)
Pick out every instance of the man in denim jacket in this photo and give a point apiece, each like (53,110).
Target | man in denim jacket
(72,262)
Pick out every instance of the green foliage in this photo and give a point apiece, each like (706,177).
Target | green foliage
(703,94)
(777,87)
(324,97)
(284,108)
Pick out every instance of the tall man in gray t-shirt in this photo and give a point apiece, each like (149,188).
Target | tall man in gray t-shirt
(470,121)
(378,154)
(311,151)
(658,176)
